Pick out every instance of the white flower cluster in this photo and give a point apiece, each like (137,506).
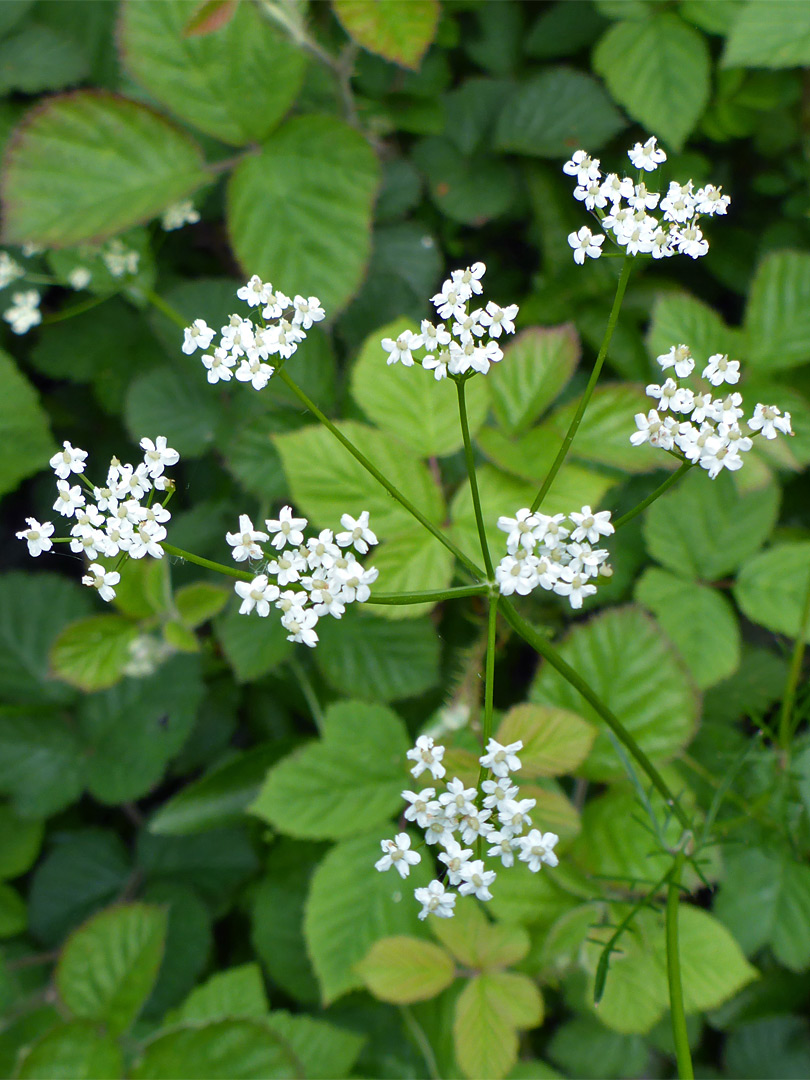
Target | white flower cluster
(179,214)
(115,520)
(454,820)
(623,208)
(471,344)
(554,553)
(323,569)
(119,259)
(714,436)
(246,344)
(24,311)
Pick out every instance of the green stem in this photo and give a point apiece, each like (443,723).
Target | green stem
(673,478)
(429,596)
(170,313)
(676,1009)
(77,309)
(469,457)
(589,389)
(794,673)
(358,455)
(540,645)
(209,564)
(489,688)
(308,690)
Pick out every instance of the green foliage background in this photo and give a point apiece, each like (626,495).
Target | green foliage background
(186,882)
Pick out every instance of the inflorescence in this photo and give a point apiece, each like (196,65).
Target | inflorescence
(471,344)
(622,207)
(120,518)
(554,553)
(454,822)
(715,436)
(323,569)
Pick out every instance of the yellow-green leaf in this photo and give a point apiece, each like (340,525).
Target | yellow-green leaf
(399,30)
(555,741)
(404,969)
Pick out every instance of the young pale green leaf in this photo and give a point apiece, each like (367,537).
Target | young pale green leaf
(218,798)
(231,994)
(221,1050)
(706,528)
(200,602)
(90,164)
(42,765)
(134,729)
(555,112)
(770,34)
(780,889)
(326,1051)
(25,435)
(635,995)
(488,1013)
(603,437)
(681,319)
(342,784)
(20,842)
(649,63)
(554,741)
(771,587)
(109,965)
(777,316)
(91,654)
(326,481)
(399,30)
(680,606)
(625,659)
(377,660)
(411,562)
(713,968)
(350,906)
(235,84)
(325,175)
(478,943)
(403,969)
(536,365)
(72,1049)
(253,646)
(409,402)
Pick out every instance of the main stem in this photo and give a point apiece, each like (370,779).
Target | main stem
(673,478)
(429,596)
(676,1009)
(209,564)
(358,455)
(565,446)
(469,457)
(540,645)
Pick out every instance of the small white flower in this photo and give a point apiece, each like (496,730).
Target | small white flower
(301,623)
(69,460)
(504,844)
(357,533)
(197,336)
(179,214)
(418,810)
(79,278)
(457,800)
(583,167)
(120,260)
(9,269)
(470,279)
(397,853)
(399,349)
(427,755)
(158,455)
(476,880)
(513,814)
(475,823)
(454,858)
(37,536)
(585,243)
(437,364)
(590,526)
(103,580)
(648,156)
(679,357)
(769,420)
(501,760)
(258,594)
(24,312)
(69,498)
(574,586)
(497,791)
(435,901)
(286,529)
(537,848)
(720,369)
(499,319)
(307,310)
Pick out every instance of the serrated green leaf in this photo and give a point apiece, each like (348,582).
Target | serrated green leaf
(536,366)
(326,1051)
(342,784)
(235,84)
(488,1012)
(777,316)
(649,63)
(37,58)
(409,402)
(91,654)
(554,111)
(778,1045)
(409,563)
(478,943)
(253,646)
(325,176)
(681,319)
(134,729)
(73,1051)
(221,1050)
(585,1047)
(109,965)
(326,481)
(706,529)
(770,34)
(681,607)
(25,435)
(350,906)
(628,662)
(231,994)
(42,767)
(771,587)
(218,798)
(554,741)
(470,190)
(90,164)
(403,969)
(20,842)
(177,401)
(378,660)
(200,602)
(400,30)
